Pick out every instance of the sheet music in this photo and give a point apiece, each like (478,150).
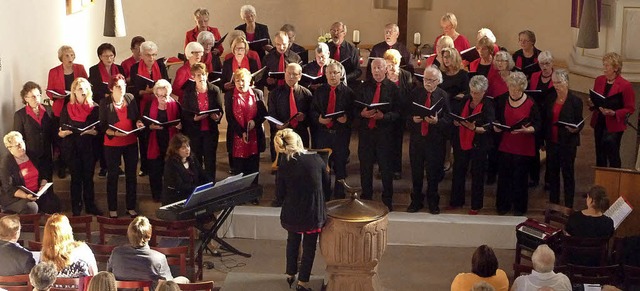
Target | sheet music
(618,211)
(229,180)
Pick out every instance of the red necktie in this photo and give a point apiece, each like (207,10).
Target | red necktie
(331,107)
(376,99)
(336,56)
(425,124)
(320,72)
(281,68)
(293,109)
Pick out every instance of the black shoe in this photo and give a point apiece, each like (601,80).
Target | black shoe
(397,176)
(414,208)
(434,210)
(378,175)
(255,202)
(290,280)
(491,180)
(62,172)
(102,174)
(276,203)
(301,288)
(94,211)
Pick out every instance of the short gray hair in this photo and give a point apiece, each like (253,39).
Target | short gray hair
(482,286)
(479,83)
(543,259)
(148,46)
(433,69)
(296,66)
(160,84)
(322,48)
(43,275)
(204,36)
(486,32)
(560,76)
(504,55)
(192,46)
(13,137)
(545,57)
(517,79)
(338,65)
(247,8)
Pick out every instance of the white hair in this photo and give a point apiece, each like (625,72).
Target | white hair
(543,259)
(247,8)
(433,69)
(191,47)
(148,46)
(486,32)
(162,84)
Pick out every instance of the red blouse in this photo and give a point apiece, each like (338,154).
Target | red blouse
(245,108)
(203,104)
(56,83)
(557,107)
(30,175)
(522,144)
(123,123)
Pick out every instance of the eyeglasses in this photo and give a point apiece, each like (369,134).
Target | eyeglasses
(15,146)
(430,80)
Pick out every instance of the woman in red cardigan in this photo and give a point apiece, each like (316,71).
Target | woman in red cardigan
(58,89)
(609,124)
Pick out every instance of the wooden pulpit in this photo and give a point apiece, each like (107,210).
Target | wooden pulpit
(625,183)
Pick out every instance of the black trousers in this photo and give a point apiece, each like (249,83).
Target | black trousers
(375,145)
(309,243)
(82,167)
(477,157)
(156,172)
(512,183)
(561,158)
(493,157)
(397,136)
(130,155)
(247,165)
(607,146)
(98,150)
(143,144)
(426,153)
(205,146)
(338,142)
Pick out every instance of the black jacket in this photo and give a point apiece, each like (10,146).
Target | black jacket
(272,62)
(480,141)
(37,137)
(279,104)
(190,106)
(179,182)
(100,89)
(227,70)
(262,31)
(108,115)
(138,83)
(571,112)
(388,94)
(76,142)
(350,59)
(441,129)
(300,183)
(344,102)
(16,259)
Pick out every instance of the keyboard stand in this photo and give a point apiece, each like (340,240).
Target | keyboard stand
(212,234)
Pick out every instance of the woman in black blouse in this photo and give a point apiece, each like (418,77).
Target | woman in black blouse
(254,31)
(591,222)
(182,171)
(561,140)
(303,211)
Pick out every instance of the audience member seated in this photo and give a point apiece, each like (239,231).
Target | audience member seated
(71,258)
(16,169)
(484,267)
(137,261)
(591,222)
(542,275)
(254,31)
(167,286)
(17,260)
(42,276)
(482,286)
(103,281)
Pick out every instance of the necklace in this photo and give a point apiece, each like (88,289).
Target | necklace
(516,100)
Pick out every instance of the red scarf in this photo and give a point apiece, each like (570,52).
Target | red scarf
(331,106)
(376,99)
(206,59)
(39,116)
(245,108)
(79,112)
(467,135)
(144,71)
(424,129)
(106,77)
(293,109)
(244,64)
(203,104)
(153,151)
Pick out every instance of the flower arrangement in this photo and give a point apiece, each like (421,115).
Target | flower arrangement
(326,37)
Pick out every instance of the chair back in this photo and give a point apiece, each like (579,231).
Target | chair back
(199,286)
(585,251)
(29,223)
(101,252)
(80,224)
(66,284)
(34,246)
(557,215)
(16,283)
(176,256)
(168,231)
(631,277)
(603,275)
(144,285)
(112,226)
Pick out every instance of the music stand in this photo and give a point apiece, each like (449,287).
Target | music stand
(220,189)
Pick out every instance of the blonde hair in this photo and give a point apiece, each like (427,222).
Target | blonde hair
(451,18)
(486,42)
(13,137)
(200,12)
(242,73)
(162,84)
(167,286)
(456,60)
(9,227)
(58,242)
(237,41)
(63,49)
(287,142)
(139,231)
(235,34)
(392,55)
(103,281)
(615,60)
(73,99)
(198,67)
(445,41)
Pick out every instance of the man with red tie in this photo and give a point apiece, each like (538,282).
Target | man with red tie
(391,34)
(330,116)
(427,142)
(278,59)
(344,52)
(290,104)
(376,126)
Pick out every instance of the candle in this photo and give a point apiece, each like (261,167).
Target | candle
(416,38)
(361,59)
(356,36)
(419,62)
